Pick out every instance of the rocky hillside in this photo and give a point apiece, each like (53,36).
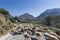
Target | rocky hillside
(5,22)
(49,12)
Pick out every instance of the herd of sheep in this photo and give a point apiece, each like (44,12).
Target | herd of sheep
(29,30)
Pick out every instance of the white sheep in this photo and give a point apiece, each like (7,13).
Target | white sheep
(38,35)
(50,37)
(26,36)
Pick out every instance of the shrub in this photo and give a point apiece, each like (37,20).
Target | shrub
(1,31)
(12,20)
(2,10)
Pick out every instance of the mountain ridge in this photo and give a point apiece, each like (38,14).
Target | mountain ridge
(49,12)
(26,16)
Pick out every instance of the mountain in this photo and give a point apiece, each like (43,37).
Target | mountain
(49,12)
(26,16)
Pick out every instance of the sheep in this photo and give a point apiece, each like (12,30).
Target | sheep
(33,31)
(40,30)
(52,33)
(26,36)
(37,28)
(29,32)
(19,31)
(38,35)
(41,27)
(46,28)
(29,28)
(50,37)
(26,28)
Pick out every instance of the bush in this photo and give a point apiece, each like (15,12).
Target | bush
(2,10)
(58,25)
(1,31)
(0,22)
(6,27)
(12,20)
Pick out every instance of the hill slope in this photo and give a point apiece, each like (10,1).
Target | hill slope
(5,23)
(49,12)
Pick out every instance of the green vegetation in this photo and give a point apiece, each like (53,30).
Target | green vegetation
(12,20)
(57,21)
(2,10)
(49,20)
(16,18)
(0,22)
(1,31)
(5,29)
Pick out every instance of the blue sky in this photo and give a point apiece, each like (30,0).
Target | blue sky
(33,7)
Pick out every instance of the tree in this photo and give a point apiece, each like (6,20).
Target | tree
(16,18)
(49,20)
